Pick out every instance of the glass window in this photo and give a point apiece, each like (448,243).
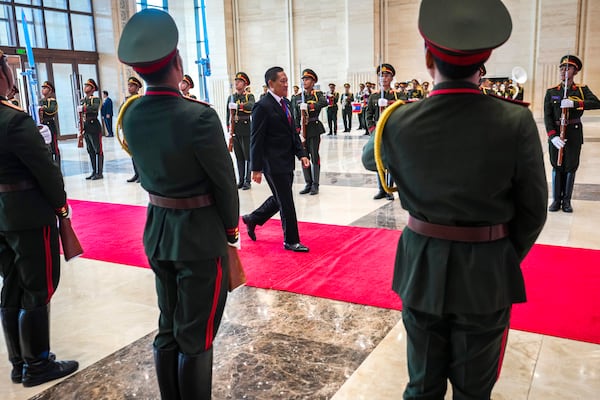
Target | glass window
(35,24)
(160,4)
(7,35)
(57,30)
(88,71)
(30,2)
(83,32)
(81,5)
(62,4)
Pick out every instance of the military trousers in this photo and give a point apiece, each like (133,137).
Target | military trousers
(191,299)
(241,149)
(29,267)
(570,161)
(54,144)
(93,137)
(466,349)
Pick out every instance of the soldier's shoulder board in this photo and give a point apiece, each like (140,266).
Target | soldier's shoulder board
(11,105)
(197,101)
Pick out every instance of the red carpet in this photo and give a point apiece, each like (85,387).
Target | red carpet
(356,264)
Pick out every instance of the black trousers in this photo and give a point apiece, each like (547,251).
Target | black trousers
(93,136)
(29,266)
(347,118)
(281,200)
(332,119)
(467,349)
(241,148)
(54,144)
(191,299)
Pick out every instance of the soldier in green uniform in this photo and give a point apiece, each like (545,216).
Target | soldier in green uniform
(185,85)
(32,196)
(578,98)
(133,87)
(192,227)
(240,106)
(346,100)
(92,130)
(333,98)
(310,103)
(48,112)
(376,104)
(470,172)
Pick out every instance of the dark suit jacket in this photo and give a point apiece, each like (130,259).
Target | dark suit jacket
(273,140)
(107,108)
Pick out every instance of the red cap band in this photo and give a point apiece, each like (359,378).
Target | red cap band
(150,68)
(458,58)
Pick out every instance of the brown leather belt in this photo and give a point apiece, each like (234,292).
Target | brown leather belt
(17,187)
(203,200)
(570,121)
(458,233)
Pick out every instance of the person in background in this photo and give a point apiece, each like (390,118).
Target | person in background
(133,88)
(333,98)
(13,97)
(471,223)
(32,197)
(346,100)
(191,231)
(107,113)
(185,85)
(48,113)
(92,130)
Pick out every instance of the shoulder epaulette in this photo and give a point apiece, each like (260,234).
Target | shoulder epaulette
(197,101)
(509,100)
(11,105)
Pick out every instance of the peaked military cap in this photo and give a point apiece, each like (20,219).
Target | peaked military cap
(149,41)
(243,77)
(461,33)
(346,85)
(571,60)
(386,68)
(188,79)
(309,73)
(48,84)
(92,83)
(135,81)
(332,84)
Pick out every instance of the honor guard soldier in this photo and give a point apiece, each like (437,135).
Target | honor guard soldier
(240,110)
(346,100)
(191,231)
(474,211)
(572,103)
(48,113)
(308,106)
(12,96)
(133,88)
(32,197)
(92,130)
(332,109)
(376,104)
(185,85)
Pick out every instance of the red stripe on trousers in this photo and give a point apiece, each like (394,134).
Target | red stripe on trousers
(211,319)
(48,256)
(502,351)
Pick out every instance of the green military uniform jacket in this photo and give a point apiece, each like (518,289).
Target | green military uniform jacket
(49,108)
(332,99)
(91,106)
(583,99)
(315,101)
(179,148)
(241,116)
(25,157)
(372,112)
(346,100)
(461,158)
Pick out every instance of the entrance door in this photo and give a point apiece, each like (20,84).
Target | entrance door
(66,98)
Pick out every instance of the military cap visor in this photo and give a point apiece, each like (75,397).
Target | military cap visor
(91,83)
(149,41)
(48,85)
(188,79)
(243,77)
(309,73)
(386,68)
(461,33)
(135,81)
(571,60)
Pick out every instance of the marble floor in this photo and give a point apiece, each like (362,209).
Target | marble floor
(279,345)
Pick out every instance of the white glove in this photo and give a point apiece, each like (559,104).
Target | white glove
(557,142)
(382,102)
(303,107)
(233,106)
(566,103)
(238,243)
(302,139)
(46,134)
(79,108)
(69,212)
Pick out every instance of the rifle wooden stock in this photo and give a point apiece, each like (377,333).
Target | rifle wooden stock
(564,116)
(303,123)
(237,276)
(231,129)
(70,243)
(80,136)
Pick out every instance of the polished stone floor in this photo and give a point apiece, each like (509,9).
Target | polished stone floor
(279,345)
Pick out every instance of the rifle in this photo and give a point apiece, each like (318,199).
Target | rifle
(303,113)
(232,120)
(70,243)
(81,130)
(564,116)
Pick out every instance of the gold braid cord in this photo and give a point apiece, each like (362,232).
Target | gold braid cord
(377,144)
(120,122)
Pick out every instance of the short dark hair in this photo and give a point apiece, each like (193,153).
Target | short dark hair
(456,72)
(161,75)
(271,74)
(105,92)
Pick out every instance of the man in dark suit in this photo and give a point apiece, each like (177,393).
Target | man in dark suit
(107,113)
(32,196)
(474,211)
(192,227)
(273,145)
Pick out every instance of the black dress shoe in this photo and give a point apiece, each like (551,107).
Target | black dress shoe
(314,190)
(380,195)
(246,186)
(133,178)
(97,176)
(90,176)
(240,185)
(555,206)
(306,189)
(298,247)
(566,206)
(249,227)
(389,196)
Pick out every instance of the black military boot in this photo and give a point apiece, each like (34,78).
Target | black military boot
(316,176)
(34,337)
(94,166)
(569,184)
(135,176)
(195,376)
(380,193)
(10,326)
(556,191)
(308,179)
(247,185)
(166,362)
(240,165)
(100,168)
